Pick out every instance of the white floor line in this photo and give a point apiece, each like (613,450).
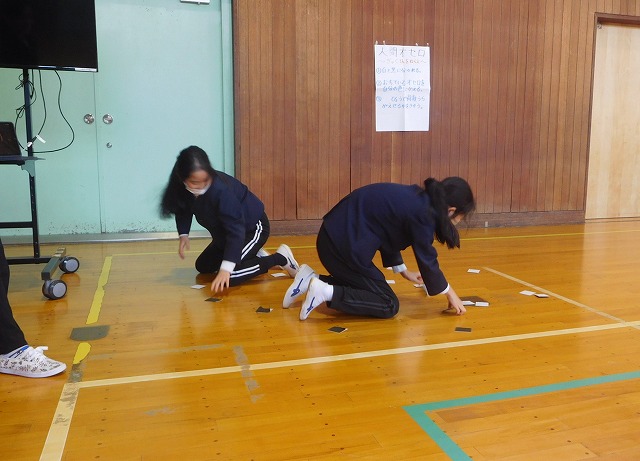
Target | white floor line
(354,356)
(562,298)
(58,432)
(56,439)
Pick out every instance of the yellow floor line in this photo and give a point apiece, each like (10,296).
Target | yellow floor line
(96,305)
(299,247)
(56,438)
(81,353)
(565,234)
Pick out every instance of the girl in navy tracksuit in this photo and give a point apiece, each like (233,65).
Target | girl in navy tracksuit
(387,218)
(233,215)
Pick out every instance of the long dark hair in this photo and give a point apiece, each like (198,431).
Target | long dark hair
(176,198)
(450,192)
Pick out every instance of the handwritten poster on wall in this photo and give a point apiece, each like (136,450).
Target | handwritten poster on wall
(403,87)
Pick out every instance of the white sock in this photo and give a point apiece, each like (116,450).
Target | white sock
(327,291)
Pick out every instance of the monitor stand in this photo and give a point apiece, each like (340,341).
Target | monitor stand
(51,288)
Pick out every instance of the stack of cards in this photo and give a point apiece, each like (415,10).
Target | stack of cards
(474,301)
(533,293)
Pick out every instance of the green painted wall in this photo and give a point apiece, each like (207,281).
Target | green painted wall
(165,76)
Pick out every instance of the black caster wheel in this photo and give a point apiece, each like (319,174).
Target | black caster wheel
(54,289)
(69,264)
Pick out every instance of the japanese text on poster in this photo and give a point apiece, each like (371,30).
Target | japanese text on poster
(403,87)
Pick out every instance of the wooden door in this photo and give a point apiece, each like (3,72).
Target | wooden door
(613,189)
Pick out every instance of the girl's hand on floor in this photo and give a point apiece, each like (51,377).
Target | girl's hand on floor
(455,303)
(221,281)
(183,245)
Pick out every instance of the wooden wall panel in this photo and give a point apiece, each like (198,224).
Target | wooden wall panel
(510,102)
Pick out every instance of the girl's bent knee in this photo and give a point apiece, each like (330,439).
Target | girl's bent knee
(391,312)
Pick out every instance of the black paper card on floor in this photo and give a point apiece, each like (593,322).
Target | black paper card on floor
(463,329)
(213,300)
(337,329)
(263,309)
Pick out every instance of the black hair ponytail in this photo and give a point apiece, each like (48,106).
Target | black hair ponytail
(445,230)
(451,192)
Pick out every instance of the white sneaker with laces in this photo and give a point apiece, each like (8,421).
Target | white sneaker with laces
(299,286)
(30,362)
(292,265)
(315,297)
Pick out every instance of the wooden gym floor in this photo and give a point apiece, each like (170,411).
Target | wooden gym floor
(180,378)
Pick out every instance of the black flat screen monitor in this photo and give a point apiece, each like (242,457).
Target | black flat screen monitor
(48,34)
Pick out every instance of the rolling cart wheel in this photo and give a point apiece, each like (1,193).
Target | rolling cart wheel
(69,264)
(54,289)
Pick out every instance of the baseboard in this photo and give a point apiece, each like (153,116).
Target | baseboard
(304,227)
(298,227)
(535,218)
(311,226)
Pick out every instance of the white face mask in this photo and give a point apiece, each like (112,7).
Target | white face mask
(197,192)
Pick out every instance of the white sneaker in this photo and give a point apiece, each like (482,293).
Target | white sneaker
(262,253)
(30,363)
(299,286)
(292,265)
(314,298)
